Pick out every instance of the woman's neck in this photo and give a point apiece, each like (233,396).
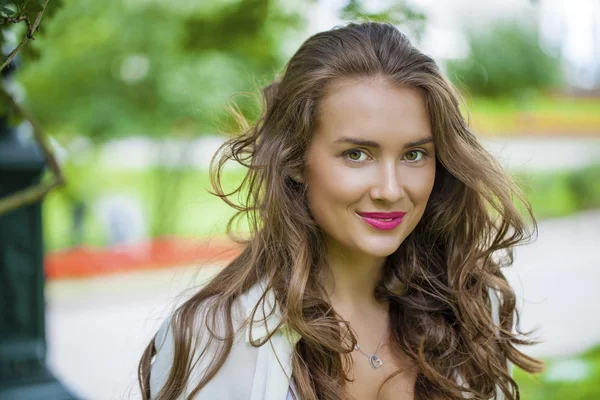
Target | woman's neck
(350,282)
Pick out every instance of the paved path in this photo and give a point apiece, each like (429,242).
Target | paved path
(557,280)
(97,328)
(544,153)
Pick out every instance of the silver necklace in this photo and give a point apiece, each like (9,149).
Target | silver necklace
(375,361)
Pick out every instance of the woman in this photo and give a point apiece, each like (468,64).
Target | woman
(379,229)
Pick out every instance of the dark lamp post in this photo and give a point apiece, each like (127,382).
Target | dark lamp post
(23,371)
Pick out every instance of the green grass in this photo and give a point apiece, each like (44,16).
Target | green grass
(177,202)
(577,107)
(572,378)
(557,194)
(535,115)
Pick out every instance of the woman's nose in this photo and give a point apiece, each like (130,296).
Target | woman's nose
(387,185)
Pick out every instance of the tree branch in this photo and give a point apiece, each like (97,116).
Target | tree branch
(26,196)
(9,20)
(30,31)
(33,193)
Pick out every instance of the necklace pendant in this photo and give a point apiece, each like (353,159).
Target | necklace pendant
(375,361)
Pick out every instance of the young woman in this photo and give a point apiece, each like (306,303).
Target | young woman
(379,229)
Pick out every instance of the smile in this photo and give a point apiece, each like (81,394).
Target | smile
(383,221)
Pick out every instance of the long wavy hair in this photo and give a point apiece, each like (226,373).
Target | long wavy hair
(437,282)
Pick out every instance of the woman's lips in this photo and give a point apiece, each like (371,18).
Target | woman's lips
(383,221)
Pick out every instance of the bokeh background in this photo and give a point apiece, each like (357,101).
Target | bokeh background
(134,93)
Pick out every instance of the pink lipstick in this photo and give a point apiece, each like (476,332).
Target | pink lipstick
(382,220)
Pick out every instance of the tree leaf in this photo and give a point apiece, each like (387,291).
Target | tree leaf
(9,8)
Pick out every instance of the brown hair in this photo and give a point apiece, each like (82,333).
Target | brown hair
(437,282)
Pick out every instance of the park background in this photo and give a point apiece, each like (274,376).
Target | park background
(133,96)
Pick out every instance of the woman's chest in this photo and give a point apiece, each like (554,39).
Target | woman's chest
(394,379)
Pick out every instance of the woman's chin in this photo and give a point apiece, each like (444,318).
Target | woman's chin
(380,247)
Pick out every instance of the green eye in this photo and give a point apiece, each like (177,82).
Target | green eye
(354,154)
(414,155)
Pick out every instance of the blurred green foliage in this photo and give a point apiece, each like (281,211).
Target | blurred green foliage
(16,14)
(559,193)
(152,66)
(192,211)
(506,60)
(158,67)
(17,29)
(408,17)
(574,378)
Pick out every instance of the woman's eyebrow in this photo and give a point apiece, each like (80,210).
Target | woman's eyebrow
(371,143)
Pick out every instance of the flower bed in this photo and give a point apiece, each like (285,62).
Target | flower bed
(157,253)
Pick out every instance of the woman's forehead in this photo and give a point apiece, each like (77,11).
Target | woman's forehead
(372,110)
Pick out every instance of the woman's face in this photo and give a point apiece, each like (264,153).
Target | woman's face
(371,152)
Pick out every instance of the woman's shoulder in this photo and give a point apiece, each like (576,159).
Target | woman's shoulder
(209,314)
(210,321)
(164,342)
(208,318)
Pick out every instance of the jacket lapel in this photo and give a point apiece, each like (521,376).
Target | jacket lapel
(274,361)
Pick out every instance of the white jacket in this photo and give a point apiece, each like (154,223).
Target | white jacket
(249,373)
